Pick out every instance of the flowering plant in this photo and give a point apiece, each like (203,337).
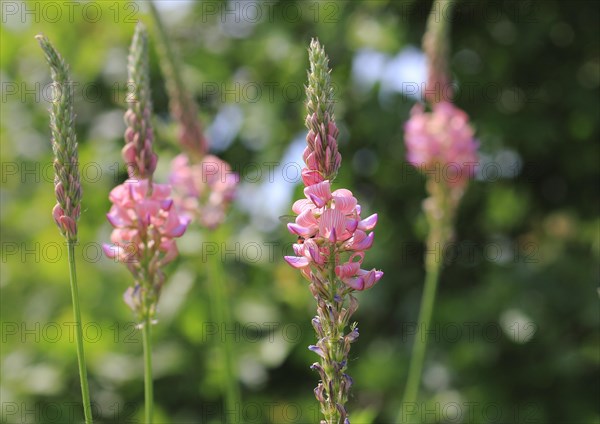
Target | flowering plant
(332,240)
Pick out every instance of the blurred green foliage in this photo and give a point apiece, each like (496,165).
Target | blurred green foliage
(515,330)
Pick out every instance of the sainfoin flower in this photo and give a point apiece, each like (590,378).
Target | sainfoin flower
(203,190)
(145,227)
(329,225)
(442,138)
(145,220)
(332,240)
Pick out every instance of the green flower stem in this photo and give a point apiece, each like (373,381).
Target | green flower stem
(440,212)
(432,271)
(222,316)
(85,391)
(148,389)
(335,341)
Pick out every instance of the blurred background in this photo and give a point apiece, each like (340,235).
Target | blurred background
(514,337)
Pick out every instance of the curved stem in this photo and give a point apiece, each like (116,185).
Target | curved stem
(85,391)
(148,389)
(222,316)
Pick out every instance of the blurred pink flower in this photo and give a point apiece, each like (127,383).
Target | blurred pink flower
(330,221)
(444,138)
(145,227)
(203,190)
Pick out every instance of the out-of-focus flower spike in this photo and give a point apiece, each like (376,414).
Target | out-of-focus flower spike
(436,45)
(145,226)
(67,185)
(139,135)
(182,105)
(442,138)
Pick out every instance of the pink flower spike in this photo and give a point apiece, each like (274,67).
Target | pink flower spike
(136,215)
(442,137)
(368,223)
(203,190)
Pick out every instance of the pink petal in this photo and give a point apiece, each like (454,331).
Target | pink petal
(177,231)
(160,191)
(351,225)
(371,277)
(299,249)
(361,242)
(344,204)
(297,262)
(357,283)
(311,161)
(311,177)
(57,212)
(115,218)
(307,219)
(166,204)
(347,270)
(319,193)
(368,223)
(171,253)
(301,205)
(314,252)
(111,251)
(332,220)
(299,230)
(332,236)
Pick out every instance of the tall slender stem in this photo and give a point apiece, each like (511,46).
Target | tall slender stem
(439,214)
(85,391)
(420,342)
(222,315)
(148,388)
